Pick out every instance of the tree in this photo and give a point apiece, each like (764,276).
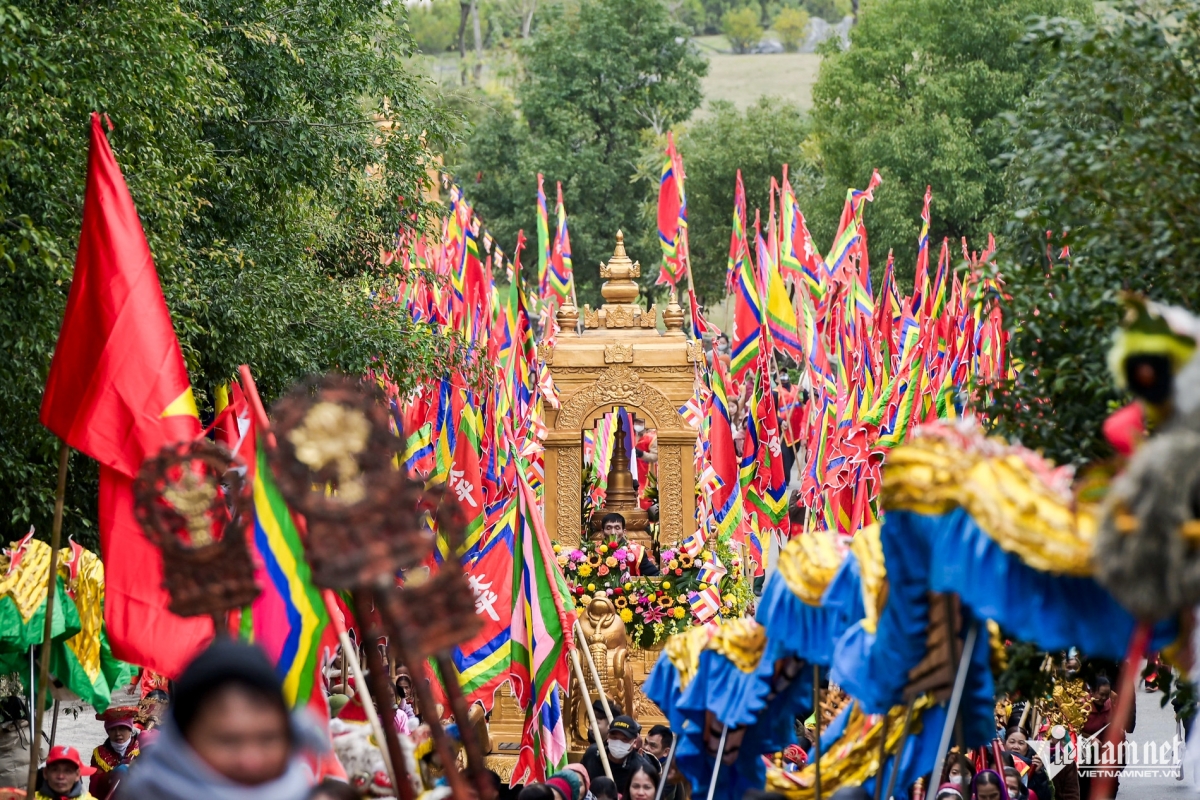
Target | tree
(1106,156)
(920,95)
(741,28)
(433,25)
(758,141)
(792,26)
(597,76)
(265,151)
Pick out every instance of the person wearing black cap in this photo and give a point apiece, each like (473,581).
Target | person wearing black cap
(229,735)
(624,757)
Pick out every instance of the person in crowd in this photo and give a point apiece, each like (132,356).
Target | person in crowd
(959,770)
(537,791)
(62,777)
(851,793)
(334,790)
(1016,789)
(643,781)
(658,742)
(988,785)
(406,700)
(623,756)
(612,528)
(114,755)
(602,718)
(569,785)
(229,734)
(1103,707)
(152,709)
(604,788)
(658,745)
(949,791)
(1037,779)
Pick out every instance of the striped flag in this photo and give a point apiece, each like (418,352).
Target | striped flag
(288,620)
(542,618)
(543,240)
(672,216)
(560,260)
(705,603)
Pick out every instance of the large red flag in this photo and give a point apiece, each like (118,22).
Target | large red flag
(118,390)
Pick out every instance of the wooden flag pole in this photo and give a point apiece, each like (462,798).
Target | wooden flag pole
(591,712)
(817,726)
(35,746)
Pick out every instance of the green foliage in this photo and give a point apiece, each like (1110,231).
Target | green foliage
(1106,153)
(434,26)
(596,78)
(265,146)
(919,95)
(759,142)
(741,28)
(792,26)
(828,10)
(1022,677)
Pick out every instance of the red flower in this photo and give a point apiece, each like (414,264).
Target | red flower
(618,590)
(678,572)
(658,593)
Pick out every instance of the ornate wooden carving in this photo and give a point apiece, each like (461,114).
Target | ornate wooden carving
(695,351)
(618,353)
(649,318)
(570,503)
(332,433)
(545,353)
(618,316)
(591,319)
(194,506)
(620,385)
(670,501)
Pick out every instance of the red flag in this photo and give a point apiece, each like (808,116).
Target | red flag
(118,390)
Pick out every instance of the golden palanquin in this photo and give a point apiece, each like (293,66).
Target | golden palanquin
(621,359)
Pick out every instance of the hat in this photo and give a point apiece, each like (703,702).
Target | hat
(222,663)
(119,717)
(568,783)
(950,790)
(626,725)
(64,753)
(581,771)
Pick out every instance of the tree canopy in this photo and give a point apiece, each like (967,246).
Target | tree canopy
(272,151)
(920,95)
(1106,157)
(597,78)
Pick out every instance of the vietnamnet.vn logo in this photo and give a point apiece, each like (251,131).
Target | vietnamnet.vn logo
(1094,757)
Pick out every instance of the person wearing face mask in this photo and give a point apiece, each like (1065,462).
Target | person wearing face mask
(959,770)
(112,758)
(624,758)
(229,735)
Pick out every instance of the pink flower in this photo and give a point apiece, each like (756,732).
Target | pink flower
(576,555)
(653,614)
(622,554)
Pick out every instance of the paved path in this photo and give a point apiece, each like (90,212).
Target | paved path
(1156,724)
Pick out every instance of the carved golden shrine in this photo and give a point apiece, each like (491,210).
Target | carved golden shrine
(621,359)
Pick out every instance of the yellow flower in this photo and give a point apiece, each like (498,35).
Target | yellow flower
(678,612)
(703,586)
(682,598)
(672,564)
(628,586)
(666,584)
(626,615)
(620,602)
(686,561)
(558,548)
(665,601)
(612,562)
(584,570)
(562,561)
(704,554)
(603,548)
(591,587)
(729,600)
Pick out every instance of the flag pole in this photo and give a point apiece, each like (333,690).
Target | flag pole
(35,746)
(591,712)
